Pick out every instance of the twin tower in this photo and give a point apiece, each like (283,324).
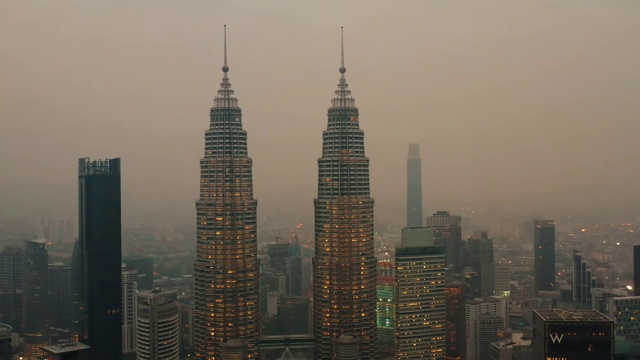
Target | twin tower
(227,309)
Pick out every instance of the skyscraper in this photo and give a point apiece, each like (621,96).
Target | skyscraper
(36,298)
(414,187)
(98,259)
(59,296)
(447,231)
(474,309)
(482,260)
(158,325)
(226,312)
(344,266)
(420,297)
(544,252)
(129,309)
(636,270)
(11,286)
(583,280)
(455,330)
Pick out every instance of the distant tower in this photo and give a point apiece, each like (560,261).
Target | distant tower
(344,266)
(129,309)
(36,298)
(482,260)
(158,325)
(98,257)
(583,280)
(447,231)
(144,270)
(414,187)
(11,286)
(226,268)
(636,270)
(420,297)
(544,252)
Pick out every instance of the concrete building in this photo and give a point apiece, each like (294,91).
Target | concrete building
(226,269)
(129,309)
(36,298)
(489,329)
(517,347)
(158,325)
(502,279)
(496,306)
(420,297)
(344,265)
(625,313)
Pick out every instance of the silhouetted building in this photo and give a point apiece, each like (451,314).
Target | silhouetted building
(278,252)
(5,341)
(129,309)
(186,327)
(455,339)
(447,231)
(572,335)
(157,325)
(482,260)
(544,252)
(472,284)
(636,270)
(420,296)
(293,271)
(226,312)
(583,280)
(11,286)
(98,262)
(60,296)
(414,187)
(344,266)
(36,298)
(144,268)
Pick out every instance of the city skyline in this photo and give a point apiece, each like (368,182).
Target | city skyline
(144,87)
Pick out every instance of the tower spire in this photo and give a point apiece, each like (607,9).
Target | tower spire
(342,68)
(225,68)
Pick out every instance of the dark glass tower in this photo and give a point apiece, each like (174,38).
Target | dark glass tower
(344,266)
(636,270)
(36,298)
(544,252)
(59,296)
(226,313)
(447,230)
(414,187)
(482,260)
(98,260)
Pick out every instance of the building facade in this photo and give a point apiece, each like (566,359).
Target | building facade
(489,329)
(129,309)
(420,297)
(502,279)
(625,313)
(97,268)
(495,306)
(344,265)
(226,267)
(447,231)
(36,298)
(157,325)
(544,252)
(583,281)
(386,307)
(414,187)
(482,261)
(455,339)
(60,296)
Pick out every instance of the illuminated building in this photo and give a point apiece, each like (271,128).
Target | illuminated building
(386,307)
(455,332)
(625,312)
(66,350)
(226,268)
(96,266)
(36,298)
(129,307)
(502,280)
(414,187)
(474,309)
(420,297)
(447,231)
(544,252)
(482,260)
(157,325)
(572,335)
(344,266)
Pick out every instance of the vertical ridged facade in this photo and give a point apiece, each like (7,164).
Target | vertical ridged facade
(226,269)
(414,187)
(344,266)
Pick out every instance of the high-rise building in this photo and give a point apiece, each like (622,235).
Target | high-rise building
(386,307)
(98,259)
(293,272)
(572,335)
(420,297)
(5,341)
(502,279)
(59,296)
(583,280)
(144,270)
(624,311)
(414,187)
(36,298)
(157,325)
(129,309)
(344,266)
(489,329)
(455,340)
(496,306)
(636,270)
(226,268)
(447,231)
(544,252)
(482,260)
(11,286)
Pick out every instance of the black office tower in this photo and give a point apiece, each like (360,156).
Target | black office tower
(100,257)
(414,187)
(636,270)
(36,298)
(544,252)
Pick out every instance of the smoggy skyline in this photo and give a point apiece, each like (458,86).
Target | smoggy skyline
(530,105)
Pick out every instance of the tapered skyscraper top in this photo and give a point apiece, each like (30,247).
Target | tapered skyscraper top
(225,97)
(414,187)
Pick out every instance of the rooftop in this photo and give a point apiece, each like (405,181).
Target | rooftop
(64,348)
(574,315)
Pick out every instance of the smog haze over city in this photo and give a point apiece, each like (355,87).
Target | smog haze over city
(527,106)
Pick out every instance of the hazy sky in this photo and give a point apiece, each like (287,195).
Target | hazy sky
(528,104)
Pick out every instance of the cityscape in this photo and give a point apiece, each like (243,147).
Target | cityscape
(360,224)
